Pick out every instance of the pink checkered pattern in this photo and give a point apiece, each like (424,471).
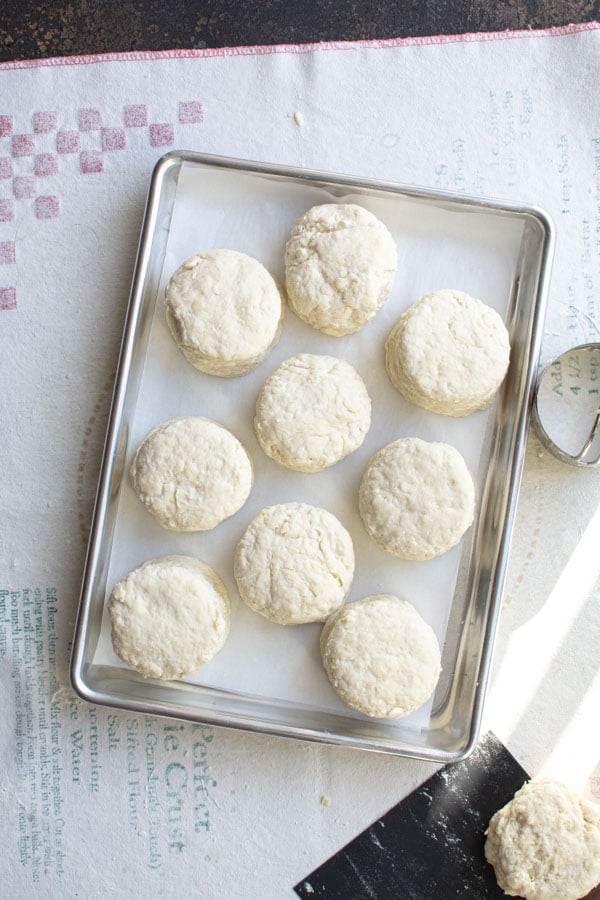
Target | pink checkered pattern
(113,139)
(135,116)
(162,135)
(89,120)
(191,112)
(47,207)
(8,253)
(68,142)
(8,298)
(91,162)
(44,122)
(45,164)
(23,145)
(24,187)
(6,126)
(7,210)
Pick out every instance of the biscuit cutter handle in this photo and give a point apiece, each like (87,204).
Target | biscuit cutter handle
(577,371)
(581,455)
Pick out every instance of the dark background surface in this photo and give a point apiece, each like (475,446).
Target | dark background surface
(33,29)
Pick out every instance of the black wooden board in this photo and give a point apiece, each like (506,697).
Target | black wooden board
(29,28)
(430,845)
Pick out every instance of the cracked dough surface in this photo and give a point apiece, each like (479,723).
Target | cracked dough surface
(191,473)
(294,563)
(417,498)
(545,843)
(224,311)
(381,657)
(169,617)
(448,353)
(312,411)
(340,262)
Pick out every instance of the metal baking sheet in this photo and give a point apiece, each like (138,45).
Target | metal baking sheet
(269,678)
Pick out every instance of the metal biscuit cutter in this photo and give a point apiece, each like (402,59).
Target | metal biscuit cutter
(566,406)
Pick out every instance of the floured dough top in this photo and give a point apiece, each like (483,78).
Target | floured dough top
(169,617)
(381,657)
(311,412)
(448,353)
(225,311)
(417,498)
(191,473)
(545,843)
(340,262)
(294,563)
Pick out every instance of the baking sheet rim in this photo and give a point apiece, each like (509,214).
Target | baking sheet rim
(79,665)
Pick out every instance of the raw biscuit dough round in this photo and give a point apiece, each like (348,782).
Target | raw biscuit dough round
(312,411)
(224,311)
(294,563)
(417,498)
(448,353)
(191,474)
(545,843)
(169,617)
(381,657)
(340,262)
